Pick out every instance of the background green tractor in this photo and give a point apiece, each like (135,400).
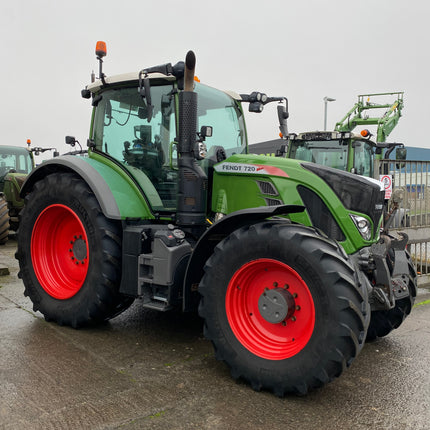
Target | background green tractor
(283,259)
(343,149)
(15,165)
(353,152)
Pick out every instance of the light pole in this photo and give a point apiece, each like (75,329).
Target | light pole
(326,99)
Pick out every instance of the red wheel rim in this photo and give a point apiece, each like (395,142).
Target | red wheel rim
(59,251)
(264,339)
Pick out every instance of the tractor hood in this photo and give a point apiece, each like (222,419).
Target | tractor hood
(332,198)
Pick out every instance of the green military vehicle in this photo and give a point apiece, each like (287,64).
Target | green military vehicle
(283,259)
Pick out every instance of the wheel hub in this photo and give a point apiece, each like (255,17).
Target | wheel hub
(79,249)
(276,305)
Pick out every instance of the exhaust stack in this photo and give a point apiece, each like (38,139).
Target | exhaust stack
(193,182)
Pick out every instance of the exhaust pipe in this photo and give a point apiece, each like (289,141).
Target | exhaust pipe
(193,182)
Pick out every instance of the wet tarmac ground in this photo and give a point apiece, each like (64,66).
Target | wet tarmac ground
(149,370)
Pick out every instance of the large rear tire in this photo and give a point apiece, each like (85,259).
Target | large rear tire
(70,253)
(4,221)
(282,307)
(383,323)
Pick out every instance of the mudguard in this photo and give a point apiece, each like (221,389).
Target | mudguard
(118,195)
(217,232)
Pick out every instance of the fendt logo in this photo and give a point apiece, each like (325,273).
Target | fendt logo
(256,169)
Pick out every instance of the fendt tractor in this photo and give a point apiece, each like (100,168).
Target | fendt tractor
(353,152)
(283,259)
(16,163)
(359,153)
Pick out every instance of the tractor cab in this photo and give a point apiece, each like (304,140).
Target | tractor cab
(332,149)
(351,152)
(14,160)
(140,134)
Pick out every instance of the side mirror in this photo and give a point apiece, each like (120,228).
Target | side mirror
(281,151)
(401,153)
(283,116)
(70,140)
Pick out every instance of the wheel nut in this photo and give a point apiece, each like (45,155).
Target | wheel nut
(293,318)
(297,308)
(275,284)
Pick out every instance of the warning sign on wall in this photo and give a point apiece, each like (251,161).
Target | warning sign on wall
(387,180)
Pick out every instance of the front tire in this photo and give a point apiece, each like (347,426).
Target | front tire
(282,307)
(69,253)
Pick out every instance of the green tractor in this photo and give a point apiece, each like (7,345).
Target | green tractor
(353,152)
(283,259)
(16,163)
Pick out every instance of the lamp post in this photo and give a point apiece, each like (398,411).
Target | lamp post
(326,99)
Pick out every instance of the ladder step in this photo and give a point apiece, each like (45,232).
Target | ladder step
(157,305)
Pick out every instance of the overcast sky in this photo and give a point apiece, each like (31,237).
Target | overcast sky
(303,50)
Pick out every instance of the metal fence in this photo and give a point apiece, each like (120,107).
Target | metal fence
(408,183)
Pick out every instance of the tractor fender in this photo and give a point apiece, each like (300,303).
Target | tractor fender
(215,234)
(108,188)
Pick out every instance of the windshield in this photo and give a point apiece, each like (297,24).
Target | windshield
(147,147)
(330,153)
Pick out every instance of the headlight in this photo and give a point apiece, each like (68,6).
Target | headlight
(363,226)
